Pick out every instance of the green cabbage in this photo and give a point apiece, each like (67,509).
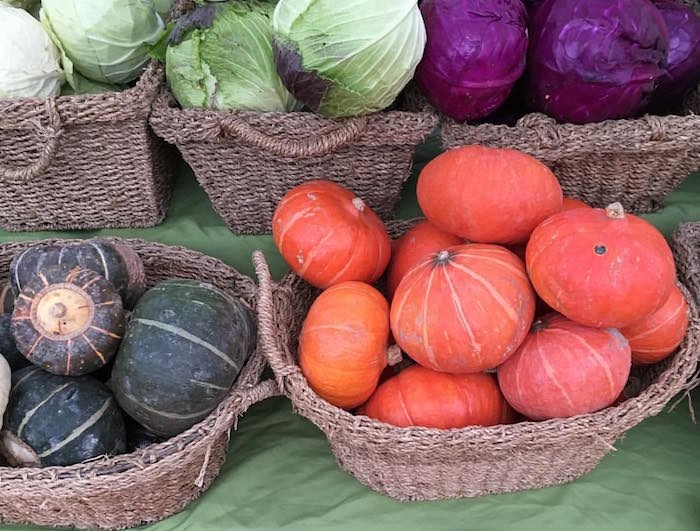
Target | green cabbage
(106,41)
(347,57)
(29,61)
(220,57)
(28,5)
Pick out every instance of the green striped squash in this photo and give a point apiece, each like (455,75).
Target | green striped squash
(184,345)
(64,420)
(112,259)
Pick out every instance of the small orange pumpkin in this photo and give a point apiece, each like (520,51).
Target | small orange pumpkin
(658,335)
(415,244)
(464,309)
(327,235)
(343,343)
(571,203)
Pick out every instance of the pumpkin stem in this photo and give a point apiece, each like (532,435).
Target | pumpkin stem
(615,211)
(393,355)
(442,257)
(538,325)
(358,203)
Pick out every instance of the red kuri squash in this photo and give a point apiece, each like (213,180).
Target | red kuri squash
(600,267)
(658,335)
(415,244)
(488,195)
(343,343)
(421,397)
(463,310)
(571,203)
(327,235)
(564,369)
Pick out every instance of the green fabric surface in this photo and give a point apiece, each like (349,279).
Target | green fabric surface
(280,471)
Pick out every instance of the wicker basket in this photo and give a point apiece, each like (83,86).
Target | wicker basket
(84,162)
(637,162)
(157,481)
(429,464)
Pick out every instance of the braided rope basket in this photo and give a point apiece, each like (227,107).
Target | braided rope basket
(247,161)
(161,479)
(83,162)
(637,162)
(428,464)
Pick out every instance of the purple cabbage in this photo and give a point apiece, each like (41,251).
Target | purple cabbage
(682,73)
(594,60)
(475,53)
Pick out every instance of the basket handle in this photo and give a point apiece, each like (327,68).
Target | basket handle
(52,133)
(544,127)
(275,356)
(347,132)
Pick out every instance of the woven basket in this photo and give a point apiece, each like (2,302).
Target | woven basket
(429,464)
(637,162)
(83,162)
(162,479)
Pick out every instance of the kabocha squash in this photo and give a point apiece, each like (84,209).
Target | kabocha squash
(343,343)
(658,335)
(564,369)
(115,261)
(421,397)
(185,343)
(7,344)
(7,299)
(463,310)
(327,235)
(68,321)
(60,420)
(408,250)
(488,195)
(598,267)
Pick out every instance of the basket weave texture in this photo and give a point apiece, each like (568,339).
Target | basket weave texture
(429,464)
(84,162)
(637,162)
(159,480)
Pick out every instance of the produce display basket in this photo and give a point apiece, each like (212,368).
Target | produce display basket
(247,161)
(84,162)
(161,479)
(637,162)
(428,464)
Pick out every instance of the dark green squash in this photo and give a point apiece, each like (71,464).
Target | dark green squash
(184,345)
(64,420)
(112,259)
(137,436)
(7,299)
(7,344)
(68,322)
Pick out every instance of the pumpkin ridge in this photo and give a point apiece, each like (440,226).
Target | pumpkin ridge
(656,328)
(92,420)
(348,261)
(399,395)
(505,265)
(550,371)
(305,261)
(594,352)
(296,217)
(105,268)
(166,414)
(426,343)
(24,377)
(475,347)
(510,312)
(28,416)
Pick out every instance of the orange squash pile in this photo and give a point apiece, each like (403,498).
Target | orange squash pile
(559,315)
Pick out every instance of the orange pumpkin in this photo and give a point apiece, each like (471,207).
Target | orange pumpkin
(488,195)
(343,343)
(463,310)
(415,244)
(571,203)
(421,397)
(658,335)
(564,369)
(327,235)
(601,268)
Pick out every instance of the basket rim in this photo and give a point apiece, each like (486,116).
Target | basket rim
(247,390)
(614,419)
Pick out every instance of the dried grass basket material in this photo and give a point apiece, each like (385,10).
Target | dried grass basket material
(84,162)
(637,162)
(247,161)
(159,480)
(429,464)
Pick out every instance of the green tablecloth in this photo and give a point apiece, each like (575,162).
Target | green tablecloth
(280,471)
